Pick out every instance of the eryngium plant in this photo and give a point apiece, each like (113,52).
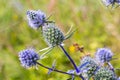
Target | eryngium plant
(53,35)
(104,55)
(36,18)
(111,2)
(97,68)
(28,58)
(88,67)
(105,74)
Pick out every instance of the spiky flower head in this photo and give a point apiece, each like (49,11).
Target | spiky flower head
(108,2)
(36,18)
(104,74)
(88,67)
(53,35)
(111,2)
(28,58)
(118,78)
(118,1)
(104,55)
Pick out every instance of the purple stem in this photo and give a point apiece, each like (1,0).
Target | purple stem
(59,71)
(110,65)
(71,60)
(54,69)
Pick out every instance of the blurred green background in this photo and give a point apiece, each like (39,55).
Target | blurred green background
(97,26)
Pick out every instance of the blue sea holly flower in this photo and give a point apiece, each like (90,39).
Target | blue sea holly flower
(111,2)
(103,55)
(88,67)
(118,1)
(28,58)
(36,18)
(118,78)
(53,35)
(108,2)
(105,74)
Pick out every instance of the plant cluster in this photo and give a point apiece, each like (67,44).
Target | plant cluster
(97,67)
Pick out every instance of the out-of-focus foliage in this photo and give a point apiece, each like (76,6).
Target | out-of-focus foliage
(96,26)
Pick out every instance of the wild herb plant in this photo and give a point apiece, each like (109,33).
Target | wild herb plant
(113,3)
(98,67)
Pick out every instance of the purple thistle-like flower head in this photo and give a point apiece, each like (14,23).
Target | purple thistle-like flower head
(28,58)
(118,1)
(118,78)
(104,55)
(104,73)
(36,18)
(111,2)
(108,2)
(88,67)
